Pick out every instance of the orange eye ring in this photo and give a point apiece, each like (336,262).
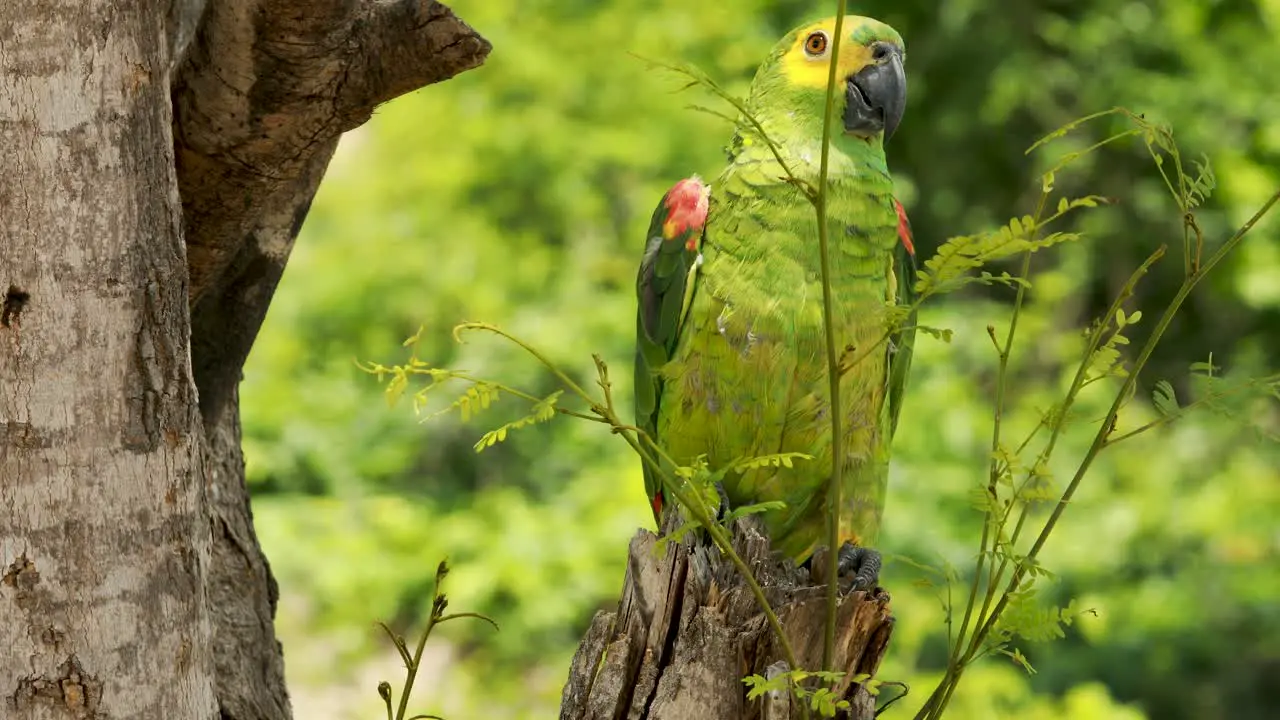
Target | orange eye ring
(816,44)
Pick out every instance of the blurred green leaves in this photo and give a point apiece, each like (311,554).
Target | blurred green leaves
(517,194)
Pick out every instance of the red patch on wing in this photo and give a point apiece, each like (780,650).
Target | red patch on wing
(904,228)
(657,505)
(687,204)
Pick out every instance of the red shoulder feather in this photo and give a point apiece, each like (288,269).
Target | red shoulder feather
(904,228)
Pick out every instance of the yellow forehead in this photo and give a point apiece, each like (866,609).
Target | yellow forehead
(801,70)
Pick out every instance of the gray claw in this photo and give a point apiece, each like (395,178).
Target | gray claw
(862,563)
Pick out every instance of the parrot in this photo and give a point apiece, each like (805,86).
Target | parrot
(731,360)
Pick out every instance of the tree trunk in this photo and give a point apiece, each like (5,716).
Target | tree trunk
(157,159)
(105,540)
(688,630)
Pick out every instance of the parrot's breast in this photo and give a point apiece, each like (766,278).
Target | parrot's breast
(749,377)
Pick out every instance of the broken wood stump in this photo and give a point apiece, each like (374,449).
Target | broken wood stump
(688,630)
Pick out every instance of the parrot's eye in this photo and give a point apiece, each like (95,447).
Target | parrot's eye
(816,44)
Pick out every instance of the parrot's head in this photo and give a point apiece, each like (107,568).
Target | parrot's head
(868,70)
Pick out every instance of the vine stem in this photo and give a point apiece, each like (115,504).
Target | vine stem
(412,672)
(835,482)
(1108,424)
(938,700)
(411,669)
(1059,422)
(647,455)
(1002,383)
(1182,411)
(537,355)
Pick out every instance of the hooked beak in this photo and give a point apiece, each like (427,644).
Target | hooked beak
(876,95)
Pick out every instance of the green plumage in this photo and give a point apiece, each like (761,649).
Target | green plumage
(731,359)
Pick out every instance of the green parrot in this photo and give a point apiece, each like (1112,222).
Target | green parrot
(731,358)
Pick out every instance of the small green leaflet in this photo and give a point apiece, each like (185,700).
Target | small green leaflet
(1164,398)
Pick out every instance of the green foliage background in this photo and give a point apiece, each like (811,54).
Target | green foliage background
(518,194)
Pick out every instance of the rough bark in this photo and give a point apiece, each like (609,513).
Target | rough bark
(266,89)
(158,159)
(687,630)
(249,667)
(104,541)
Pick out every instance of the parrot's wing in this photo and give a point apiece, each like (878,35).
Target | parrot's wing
(664,288)
(903,342)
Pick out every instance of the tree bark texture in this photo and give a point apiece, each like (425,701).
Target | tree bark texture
(157,159)
(688,630)
(104,542)
(265,91)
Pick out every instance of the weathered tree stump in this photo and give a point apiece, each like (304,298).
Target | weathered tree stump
(688,629)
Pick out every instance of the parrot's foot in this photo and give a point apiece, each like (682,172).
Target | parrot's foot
(723,511)
(860,565)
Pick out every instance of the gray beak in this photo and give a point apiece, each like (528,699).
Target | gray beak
(876,95)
